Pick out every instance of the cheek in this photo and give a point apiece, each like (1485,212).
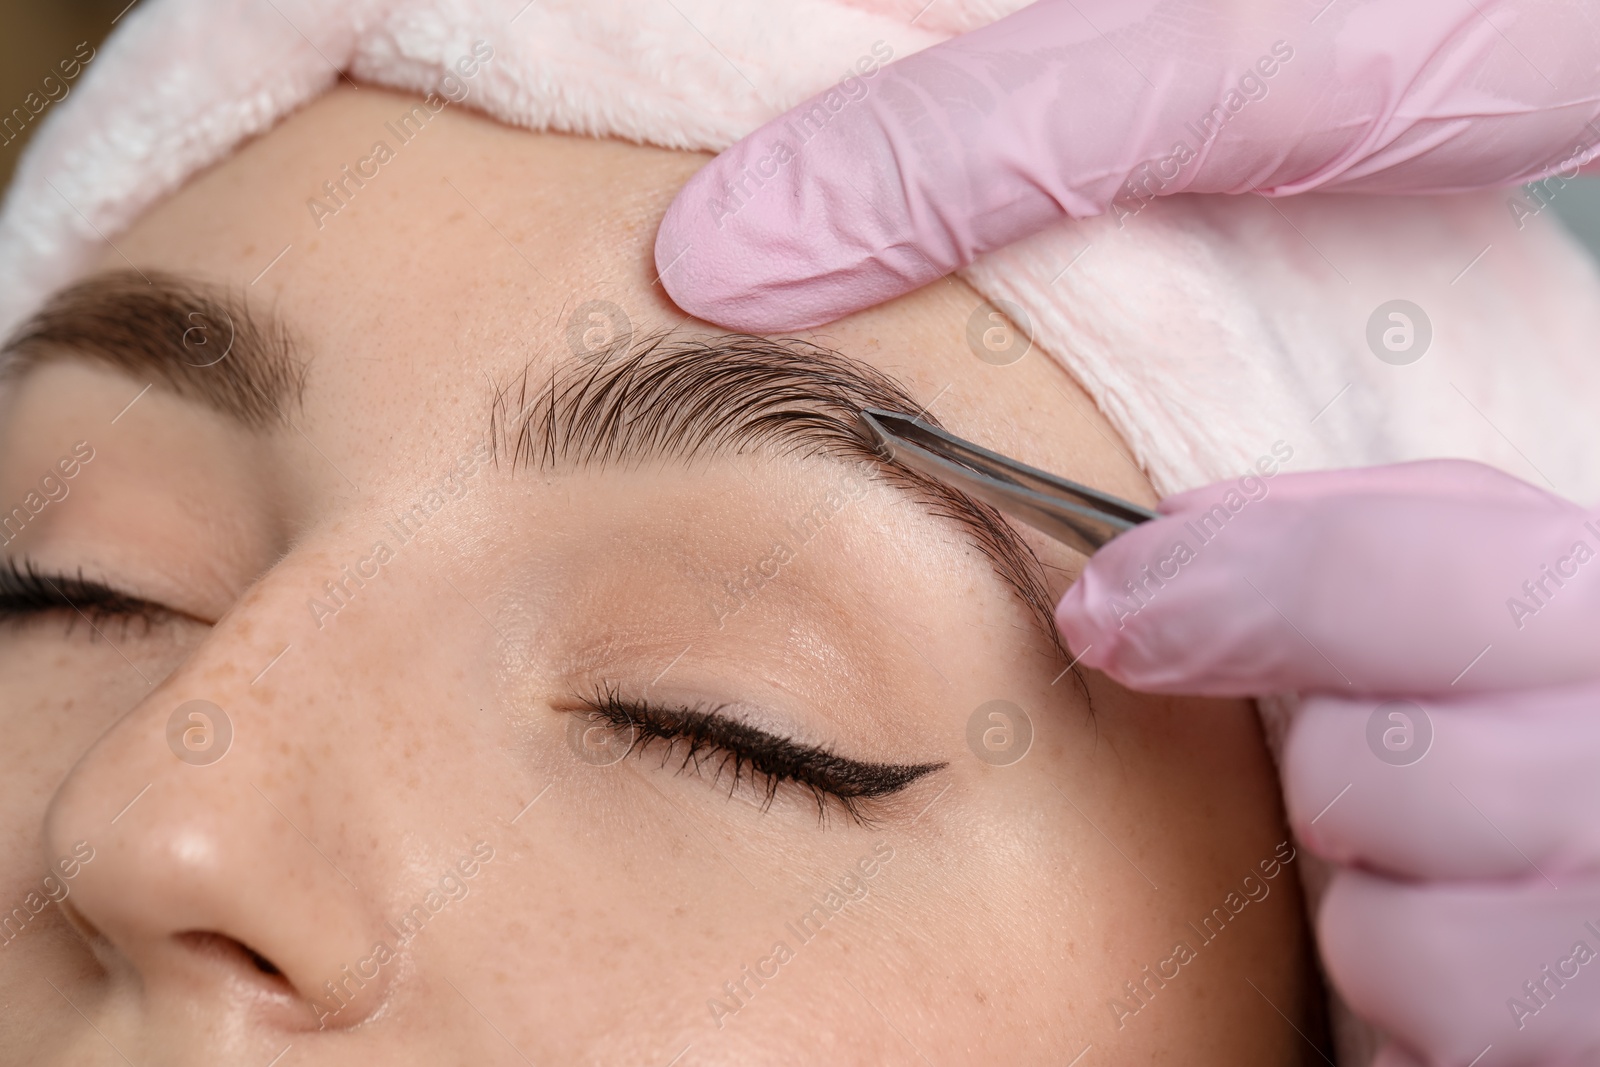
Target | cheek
(58,695)
(1129,819)
(700,952)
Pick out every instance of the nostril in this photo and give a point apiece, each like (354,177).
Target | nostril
(204,901)
(263,964)
(222,946)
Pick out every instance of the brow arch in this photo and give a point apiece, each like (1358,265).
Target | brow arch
(681,397)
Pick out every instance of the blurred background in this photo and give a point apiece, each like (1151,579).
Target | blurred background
(35,35)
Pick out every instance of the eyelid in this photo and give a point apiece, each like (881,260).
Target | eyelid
(766,761)
(27,590)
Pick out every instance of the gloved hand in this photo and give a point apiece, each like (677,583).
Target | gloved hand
(1443,620)
(898,178)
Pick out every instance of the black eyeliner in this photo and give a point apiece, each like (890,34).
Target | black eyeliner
(749,754)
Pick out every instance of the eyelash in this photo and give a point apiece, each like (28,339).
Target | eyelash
(28,593)
(765,761)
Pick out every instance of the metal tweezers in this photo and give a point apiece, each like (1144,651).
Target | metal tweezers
(1073,514)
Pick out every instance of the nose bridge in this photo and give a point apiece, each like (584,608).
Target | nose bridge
(223,822)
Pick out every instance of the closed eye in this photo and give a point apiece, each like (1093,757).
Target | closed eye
(28,593)
(709,740)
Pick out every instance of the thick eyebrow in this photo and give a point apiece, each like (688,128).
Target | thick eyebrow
(667,396)
(196,340)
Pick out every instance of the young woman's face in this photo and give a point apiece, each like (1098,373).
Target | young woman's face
(498,691)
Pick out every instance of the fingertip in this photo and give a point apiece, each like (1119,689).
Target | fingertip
(747,274)
(1393,1055)
(1080,631)
(674,237)
(1068,608)
(780,233)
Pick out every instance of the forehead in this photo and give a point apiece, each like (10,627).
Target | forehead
(470,252)
(420,285)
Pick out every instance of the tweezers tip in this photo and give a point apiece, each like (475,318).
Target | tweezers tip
(877,433)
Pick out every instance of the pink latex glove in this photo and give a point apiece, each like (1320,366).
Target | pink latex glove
(1467,829)
(903,175)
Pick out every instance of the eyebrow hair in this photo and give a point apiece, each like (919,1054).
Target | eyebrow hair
(666,396)
(198,341)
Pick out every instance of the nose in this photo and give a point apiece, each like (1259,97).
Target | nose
(216,880)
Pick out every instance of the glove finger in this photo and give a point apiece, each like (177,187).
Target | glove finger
(1432,478)
(1509,973)
(1353,592)
(1392,1055)
(1491,786)
(860,195)
(1065,107)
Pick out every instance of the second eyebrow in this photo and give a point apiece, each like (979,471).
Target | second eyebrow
(194,339)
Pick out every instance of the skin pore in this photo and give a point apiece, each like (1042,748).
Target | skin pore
(436,758)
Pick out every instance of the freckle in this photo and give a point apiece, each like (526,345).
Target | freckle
(981,998)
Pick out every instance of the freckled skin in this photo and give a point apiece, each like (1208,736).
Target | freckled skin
(431,711)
